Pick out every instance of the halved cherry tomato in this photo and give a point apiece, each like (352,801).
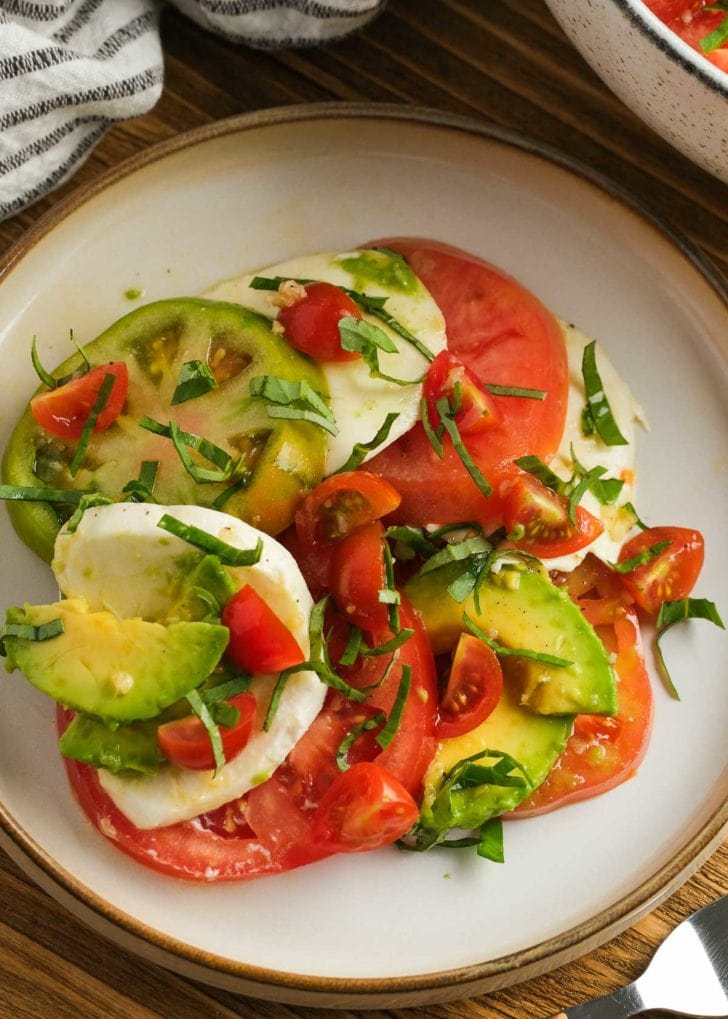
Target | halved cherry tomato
(259,642)
(503,335)
(342,503)
(473,689)
(671,574)
(476,411)
(358,575)
(65,410)
(186,743)
(540,518)
(603,752)
(312,324)
(364,808)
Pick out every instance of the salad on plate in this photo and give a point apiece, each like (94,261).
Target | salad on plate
(348,556)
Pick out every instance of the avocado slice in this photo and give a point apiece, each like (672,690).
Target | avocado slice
(116,669)
(520,607)
(131,747)
(534,741)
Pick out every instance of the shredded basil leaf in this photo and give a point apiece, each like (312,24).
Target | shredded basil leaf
(45,377)
(534,466)
(99,403)
(203,713)
(444,409)
(353,645)
(195,379)
(26,631)
(434,436)
(605,490)
(296,401)
(529,394)
(490,843)
(385,737)
(142,489)
(536,656)
(456,551)
(228,554)
(642,558)
(389,647)
(361,337)
(596,400)
(204,447)
(672,612)
(412,538)
(638,523)
(93,499)
(353,735)
(579,490)
(360,450)
(22,493)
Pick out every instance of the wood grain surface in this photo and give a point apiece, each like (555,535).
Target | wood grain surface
(505,61)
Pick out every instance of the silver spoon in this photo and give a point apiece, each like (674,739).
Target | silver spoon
(688,974)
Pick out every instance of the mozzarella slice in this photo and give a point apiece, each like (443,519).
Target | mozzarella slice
(359,402)
(120,560)
(592,451)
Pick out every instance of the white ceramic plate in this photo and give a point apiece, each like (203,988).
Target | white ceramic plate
(389,927)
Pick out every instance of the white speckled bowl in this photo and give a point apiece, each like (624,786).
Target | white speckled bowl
(671,87)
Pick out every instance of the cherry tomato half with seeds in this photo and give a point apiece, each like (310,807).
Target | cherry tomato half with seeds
(259,642)
(671,574)
(538,520)
(358,575)
(473,689)
(311,324)
(364,808)
(477,410)
(186,743)
(342,503)
(64,411)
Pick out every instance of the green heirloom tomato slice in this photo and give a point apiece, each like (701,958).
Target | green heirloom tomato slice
(276,459)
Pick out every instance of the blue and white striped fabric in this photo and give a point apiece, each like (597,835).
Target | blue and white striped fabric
(70,68)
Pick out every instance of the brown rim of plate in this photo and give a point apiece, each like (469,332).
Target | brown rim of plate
(493,973)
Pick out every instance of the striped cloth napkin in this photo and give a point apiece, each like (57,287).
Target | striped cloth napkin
(70,68)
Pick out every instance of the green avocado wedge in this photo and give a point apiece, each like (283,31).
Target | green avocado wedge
(275,459)
(534,741)
(520,608)
(131,747)
(119,670)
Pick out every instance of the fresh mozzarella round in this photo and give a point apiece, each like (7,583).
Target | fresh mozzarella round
(592,451)
(359,402)
(120,560)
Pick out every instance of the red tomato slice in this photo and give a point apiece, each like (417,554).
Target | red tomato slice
(505,336)
(186,743)
(671,574)
(342,503)
(270,830)
(312,324)
(473,689)
(541,517)
(358,575)
(65,410)
(603,752)
(259,642)
(363,808)
(476,407)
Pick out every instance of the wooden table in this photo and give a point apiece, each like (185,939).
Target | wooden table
(507,62)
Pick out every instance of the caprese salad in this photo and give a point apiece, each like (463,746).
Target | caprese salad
(700,23)
(348,556)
